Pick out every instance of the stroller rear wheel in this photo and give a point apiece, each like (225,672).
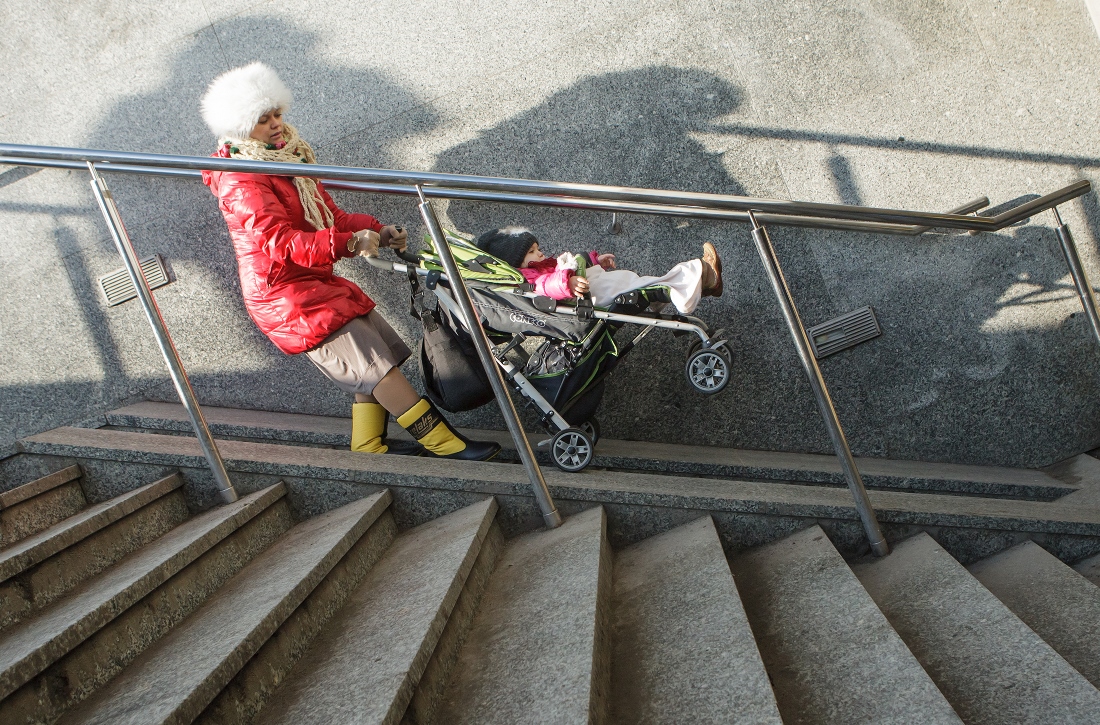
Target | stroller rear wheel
(571,450)
(592,428)
(707,369)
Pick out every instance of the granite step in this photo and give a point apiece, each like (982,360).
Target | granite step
(261,677)
(1059,604)
(1089,568)
(175,679)
(40,568)
(538,647)
(988,663)
(682,647)
(830,653)
(366,665)
(87,638)
(671,459)
(38,505)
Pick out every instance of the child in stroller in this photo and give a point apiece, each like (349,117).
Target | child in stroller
(568,275)
(573,339)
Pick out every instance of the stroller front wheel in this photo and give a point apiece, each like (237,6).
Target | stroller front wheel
(571,450)
(707,370)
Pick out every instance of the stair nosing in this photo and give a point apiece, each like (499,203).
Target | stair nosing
(29,490)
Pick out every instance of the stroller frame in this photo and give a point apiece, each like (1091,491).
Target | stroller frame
(572,448)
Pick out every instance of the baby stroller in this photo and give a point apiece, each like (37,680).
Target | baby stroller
(555,354)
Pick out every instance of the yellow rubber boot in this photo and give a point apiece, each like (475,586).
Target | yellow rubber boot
(368,426)
(431,430)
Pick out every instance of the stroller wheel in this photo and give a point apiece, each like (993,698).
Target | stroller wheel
(571,450)
(592,428)
(707,370)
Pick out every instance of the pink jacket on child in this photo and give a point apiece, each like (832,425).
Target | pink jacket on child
(551,275)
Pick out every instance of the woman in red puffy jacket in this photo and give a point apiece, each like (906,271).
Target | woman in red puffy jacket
(287,233)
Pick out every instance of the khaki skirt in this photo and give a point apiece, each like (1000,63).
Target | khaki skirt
(358,355)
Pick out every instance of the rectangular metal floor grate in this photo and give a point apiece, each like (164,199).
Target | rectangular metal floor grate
(118,288)
(844,332)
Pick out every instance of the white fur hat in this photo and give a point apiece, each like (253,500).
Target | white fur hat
(236,99)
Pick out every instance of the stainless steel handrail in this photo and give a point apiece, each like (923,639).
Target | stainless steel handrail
(567,202)
(160,332)
(780,207)
(756,211)
(550,515)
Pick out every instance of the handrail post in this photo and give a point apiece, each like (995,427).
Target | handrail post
(160,331)
(550,515)
(1077,271)
(817,382)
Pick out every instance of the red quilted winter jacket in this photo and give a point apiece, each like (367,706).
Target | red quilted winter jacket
(285,265)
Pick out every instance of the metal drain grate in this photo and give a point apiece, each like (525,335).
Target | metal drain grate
(118,288)
(844,332)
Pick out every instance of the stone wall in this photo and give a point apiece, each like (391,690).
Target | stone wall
(985,356)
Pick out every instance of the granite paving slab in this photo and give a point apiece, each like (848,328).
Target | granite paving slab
(28,649)
(368,661)
(990,665)
(537,649)
(830,653)
(1062,606)
(181,674)
(682,648)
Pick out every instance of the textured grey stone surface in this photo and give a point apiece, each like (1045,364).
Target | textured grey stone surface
(682,647)
(989,664)
(263,674)
(367,663)
(37,487)
(29,649)
(830,653)
(985,357)
(630,455)
(38,586)
(533,648)
(1058,603)
(37,548)
(108,651)
(181,675)
(40,512)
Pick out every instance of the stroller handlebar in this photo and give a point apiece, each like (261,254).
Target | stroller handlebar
(380,263)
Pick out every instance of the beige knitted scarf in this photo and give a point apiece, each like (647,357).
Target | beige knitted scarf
(296,150)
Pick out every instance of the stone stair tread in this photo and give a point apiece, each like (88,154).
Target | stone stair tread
(19,494)
(1089,568)
(366,665)
(177,677)
(988,663)
(831,654)
(38,642)
(537,648)
(683,650)
(36,548)
(669,457)
(1059,604)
